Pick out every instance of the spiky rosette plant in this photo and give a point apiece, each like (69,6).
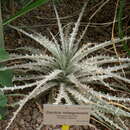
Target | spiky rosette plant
(73,71)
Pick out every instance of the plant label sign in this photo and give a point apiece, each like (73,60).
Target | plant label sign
(66,114)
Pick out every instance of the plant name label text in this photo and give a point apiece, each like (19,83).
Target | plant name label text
(66,114)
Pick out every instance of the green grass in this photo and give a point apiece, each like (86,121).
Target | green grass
(5,76)
(120,14)
(29,5)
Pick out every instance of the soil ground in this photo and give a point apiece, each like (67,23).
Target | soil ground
(42,19)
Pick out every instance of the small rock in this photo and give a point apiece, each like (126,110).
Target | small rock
(16,129)
(21,122)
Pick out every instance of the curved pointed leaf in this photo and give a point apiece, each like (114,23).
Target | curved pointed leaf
(25,10)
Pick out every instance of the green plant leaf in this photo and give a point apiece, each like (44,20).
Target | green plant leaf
(3,111)
(120,13)
(7,75)
(3,54)
(25,10)
(6,78)
(3,100)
